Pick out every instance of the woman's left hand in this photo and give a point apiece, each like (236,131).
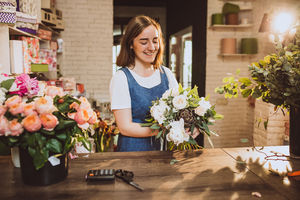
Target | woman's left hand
(195,133)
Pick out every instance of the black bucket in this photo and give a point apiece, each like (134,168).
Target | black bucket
(46,175)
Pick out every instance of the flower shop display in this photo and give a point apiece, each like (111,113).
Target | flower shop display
(178,113)
(275,80)
(42,121)
(104,134)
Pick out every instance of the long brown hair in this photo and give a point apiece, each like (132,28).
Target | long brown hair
(135,26)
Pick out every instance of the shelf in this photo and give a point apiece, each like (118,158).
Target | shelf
(231,26)
(238,0)
(237,55)
(15,31)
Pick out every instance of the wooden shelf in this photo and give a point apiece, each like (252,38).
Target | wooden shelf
(237,0)
(231,26)
(236,55)
(15,31)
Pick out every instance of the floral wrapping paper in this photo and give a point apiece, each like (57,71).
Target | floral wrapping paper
(48,56)
(31,48)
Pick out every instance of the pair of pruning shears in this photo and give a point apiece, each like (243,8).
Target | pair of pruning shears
(127,176)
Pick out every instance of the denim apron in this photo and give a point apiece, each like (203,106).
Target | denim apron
(141,100)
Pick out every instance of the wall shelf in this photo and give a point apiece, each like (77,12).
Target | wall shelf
(231,26)
(15,31)
(237,55)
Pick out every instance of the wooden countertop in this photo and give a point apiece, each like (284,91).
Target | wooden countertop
(229,173)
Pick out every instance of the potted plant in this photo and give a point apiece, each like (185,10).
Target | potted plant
(276,80)
(45,124)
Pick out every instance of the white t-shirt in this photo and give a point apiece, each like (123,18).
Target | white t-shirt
(119,91)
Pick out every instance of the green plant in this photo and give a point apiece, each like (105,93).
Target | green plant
(275,79)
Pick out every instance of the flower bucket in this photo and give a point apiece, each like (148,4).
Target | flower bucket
(47,175)
(295,131)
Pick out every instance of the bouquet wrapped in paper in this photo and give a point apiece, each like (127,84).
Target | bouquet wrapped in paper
(179,114)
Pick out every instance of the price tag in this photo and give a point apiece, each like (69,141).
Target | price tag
(54,161)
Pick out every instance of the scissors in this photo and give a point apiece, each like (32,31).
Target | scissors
(127,176)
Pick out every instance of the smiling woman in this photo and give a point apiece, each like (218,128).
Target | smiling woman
(141,80)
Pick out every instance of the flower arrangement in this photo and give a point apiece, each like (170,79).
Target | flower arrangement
(42,119)
(104,132)
(177,113)
(275,79)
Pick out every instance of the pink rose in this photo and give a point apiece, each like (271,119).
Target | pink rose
(49,121)
(17,108)
(13,100)
(84,103)
(82,116)
(52,91)
(32,123)
(3,110)
(4,129)
(74,105)
(15,127)
(93,118)
(44,105)
(71,115)
(29,109)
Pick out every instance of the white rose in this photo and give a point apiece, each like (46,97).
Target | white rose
(203,107)
(177,132)
(175,92)
(2,95)
(180,102)
(167,94)
(13,87)
(158,110)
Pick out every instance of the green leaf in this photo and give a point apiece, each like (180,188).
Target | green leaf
(159,134)
(62,136)
(63,124)
(47,132)
(7,83)
(54,145)
(155,126)
(173,161)
(146,124)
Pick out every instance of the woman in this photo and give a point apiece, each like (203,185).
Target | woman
(141,80)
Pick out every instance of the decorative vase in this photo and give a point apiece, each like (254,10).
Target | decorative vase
(295,131)
(46,175)
(15,156)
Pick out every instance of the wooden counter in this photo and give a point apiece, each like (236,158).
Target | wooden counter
(232,173)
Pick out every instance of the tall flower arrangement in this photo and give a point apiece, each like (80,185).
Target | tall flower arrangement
(42,119)
(178,113)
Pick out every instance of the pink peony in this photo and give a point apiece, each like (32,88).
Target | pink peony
(85,104)
(29,108)
(82,116)
(26,86)
(44,105)
(15,127)
(71,115)
(17,108)
(13,100)
(49,121)
(52,91)
(93,118)
(32,123)
(3,110)
(74,105)
(4,129)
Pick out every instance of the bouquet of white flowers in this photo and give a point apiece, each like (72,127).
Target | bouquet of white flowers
(177,113)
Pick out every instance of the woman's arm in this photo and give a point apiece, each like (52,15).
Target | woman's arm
(128,128)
